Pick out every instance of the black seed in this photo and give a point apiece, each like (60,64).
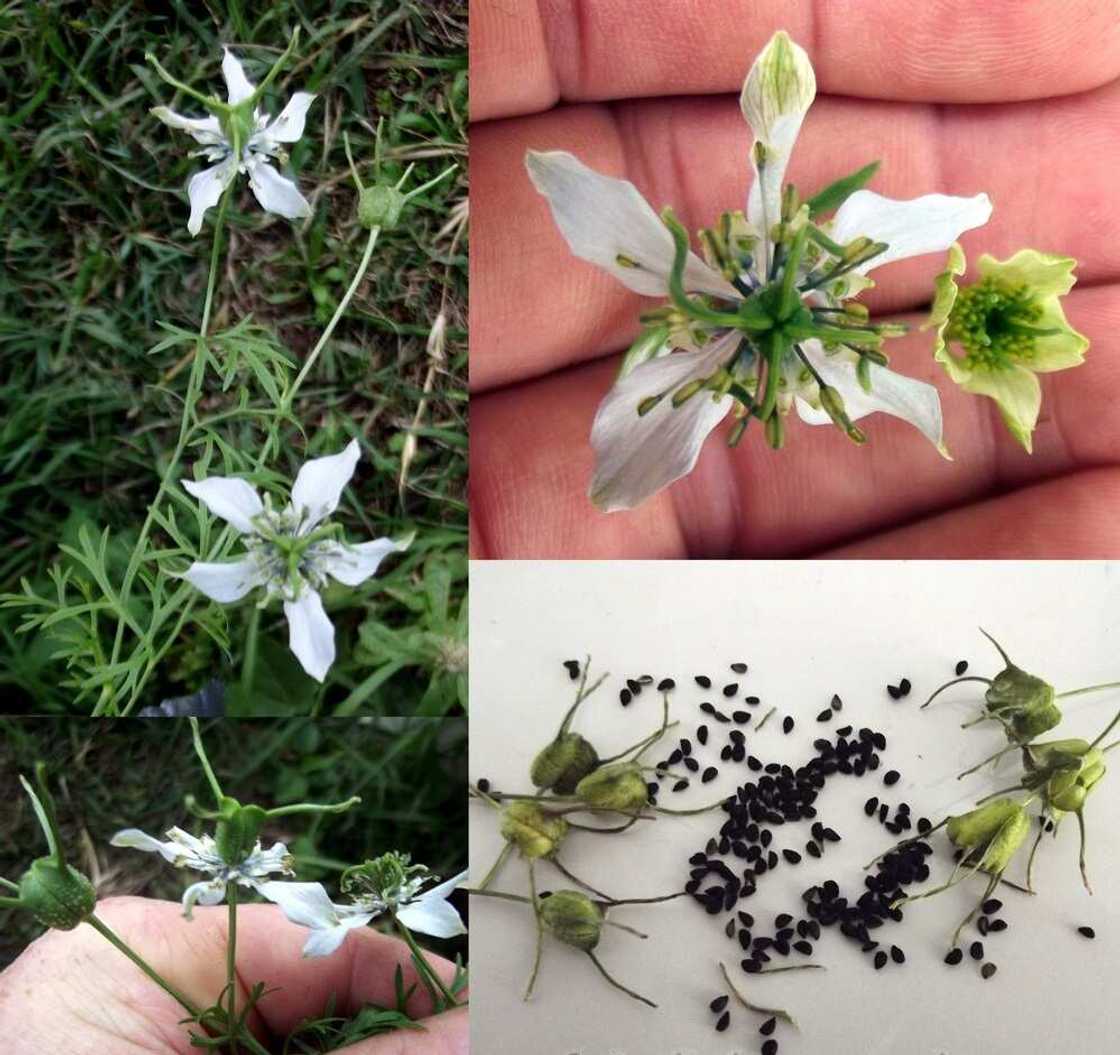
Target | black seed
(731,689)
(953,957)
(751,966)
(572,667)
(702,734)
(836,703)
(891,777)
(997,925)
(770,1047)
(767,1027)
(718,1004)
(691,765)
(686,745)
(624,697)
(923,825)
(719,716)
(754,763)
(880,960)
(646,679)
(707,708)
(742,717)
(976,950)
(665,684)
(634,686)
(897,954)
(709,774)
(703,681)
(792,856)
(894,692)
(825,715)
(783,919)
(982,925)
(483,785)
(844,730)
(884,809)
(680,785)
(723,1022)
(787,724)
(752,700)
(812,849)
(739,668)
(904,687)
(1087,932)
(746,919)
(991,906)
(729,930)
(961,667)
(988,970)
(871,805)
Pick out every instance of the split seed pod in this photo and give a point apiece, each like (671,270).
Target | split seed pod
(991,834)
(533,830)
(619,786)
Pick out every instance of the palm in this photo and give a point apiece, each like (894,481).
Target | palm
(73,992)
(546,327)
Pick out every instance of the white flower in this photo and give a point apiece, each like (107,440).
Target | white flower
(288,552)
(607,222)
(308,905)
(259,143)
(184,850)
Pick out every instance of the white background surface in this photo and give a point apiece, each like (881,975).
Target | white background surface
(807,630)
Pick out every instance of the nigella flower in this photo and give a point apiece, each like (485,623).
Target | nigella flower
(1008,327)
(290,552)
(765,321)
(388,885)
(201,854)
(240,137)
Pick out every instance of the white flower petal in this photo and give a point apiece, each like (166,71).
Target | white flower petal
(310,633)
(352,565)
(207,892)
(777,93)
(891,393)
(288,126)
(635,457)
(306,904)
(276,194)
(604,219)
(206,130)
(436,917)
(134,839)
(227,581)
(322,942)
(238,86)
(929,224)
(319,483)
(229,497)
(263,862)
(205,188)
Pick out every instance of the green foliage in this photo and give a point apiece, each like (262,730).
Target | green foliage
(100,301)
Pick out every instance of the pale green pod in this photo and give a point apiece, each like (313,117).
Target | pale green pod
(534,831)
(563,764)
(980,826)
(618,786)
(57,896)
(573,918)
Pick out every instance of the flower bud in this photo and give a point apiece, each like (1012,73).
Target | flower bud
(778,90)
(534,831)
(380,206)
(563,763)
(619,786)
(57,896)
(573,918)
(993,832)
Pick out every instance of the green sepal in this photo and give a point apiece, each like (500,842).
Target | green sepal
(835,194)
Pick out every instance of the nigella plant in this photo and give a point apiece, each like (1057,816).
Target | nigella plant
(768,320)
(119,604)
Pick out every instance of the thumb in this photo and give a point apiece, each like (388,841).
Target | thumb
(446,1034)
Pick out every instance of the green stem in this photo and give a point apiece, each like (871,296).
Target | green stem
(1088,689)
(422,962)
(249,662)
(312,807)
(231,963)
(201,752)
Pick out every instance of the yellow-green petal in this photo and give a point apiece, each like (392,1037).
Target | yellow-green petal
(945,289)
(1045,274)
(1017,393)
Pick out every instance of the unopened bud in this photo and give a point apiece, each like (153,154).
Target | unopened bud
(380,206)
(618,786)
(573,918)
(57,896)
(564,763)
(533,830)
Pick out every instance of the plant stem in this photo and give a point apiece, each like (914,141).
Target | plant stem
(231,964)
(422,962)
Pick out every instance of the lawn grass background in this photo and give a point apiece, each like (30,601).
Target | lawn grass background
(95,254)
(109,775)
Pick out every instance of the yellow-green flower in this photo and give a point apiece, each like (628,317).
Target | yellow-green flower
(1009,326)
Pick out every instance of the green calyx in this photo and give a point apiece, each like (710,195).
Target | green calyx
(990,834)
(532,829)
(563,764)
(55,893)
(573,918)
(1008,326)
(618,786)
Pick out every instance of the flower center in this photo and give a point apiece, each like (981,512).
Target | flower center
(995,323)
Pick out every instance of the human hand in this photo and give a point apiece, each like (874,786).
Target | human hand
(545,325)
(71,991)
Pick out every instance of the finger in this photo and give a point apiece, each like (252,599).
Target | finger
(1071,518)
(1049,168)
(526,56)
(447,1034)
(192,955)
(531,463)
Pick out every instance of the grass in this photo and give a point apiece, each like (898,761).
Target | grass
(108,775)
(97,259)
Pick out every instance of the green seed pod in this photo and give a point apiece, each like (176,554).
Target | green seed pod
(380,206)
(994,831)
(533,830)
(573,918)
(563,764)
(618,786)
(1068,788)
(57,896)
(237,829)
